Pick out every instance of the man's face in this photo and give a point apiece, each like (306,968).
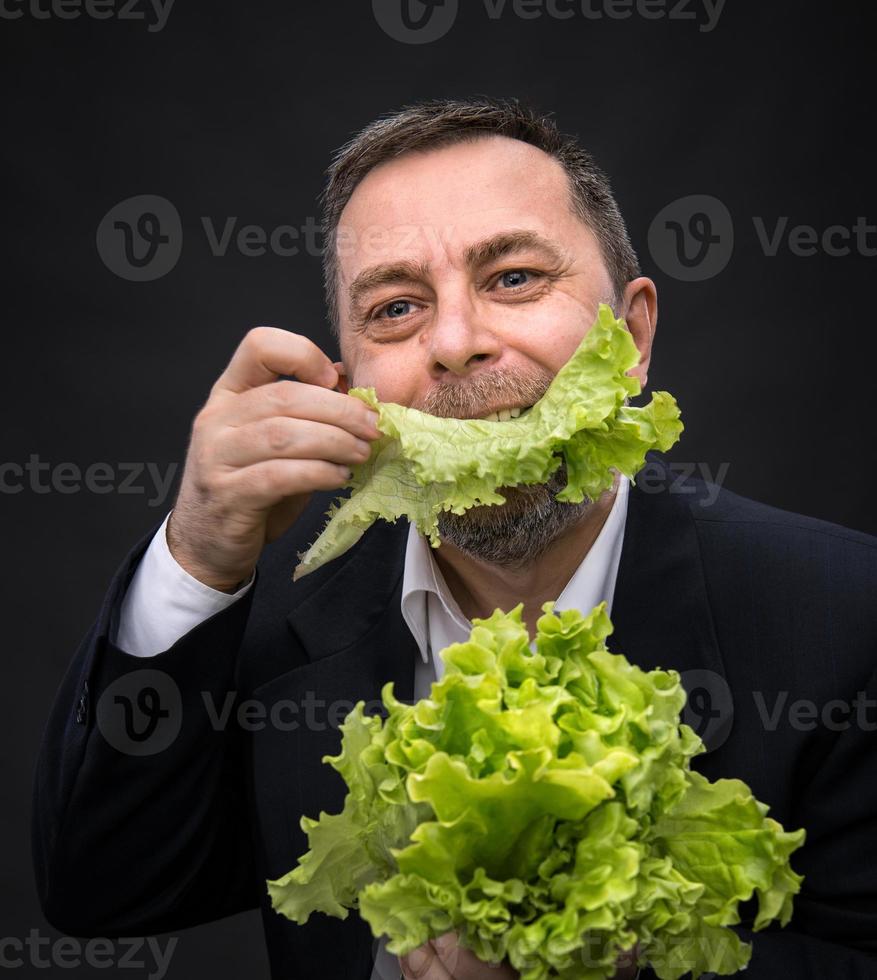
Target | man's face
(466,283)
(461,264)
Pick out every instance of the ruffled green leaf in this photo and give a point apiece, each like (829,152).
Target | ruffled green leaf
(540,802)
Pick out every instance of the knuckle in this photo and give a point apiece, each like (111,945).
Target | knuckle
(204,418)
(256,338)
(266,482)
(280,395)
(276,434)
(255,482)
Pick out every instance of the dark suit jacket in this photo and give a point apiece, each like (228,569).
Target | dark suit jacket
(777,606)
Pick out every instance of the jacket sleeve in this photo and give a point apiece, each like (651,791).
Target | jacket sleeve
(788,953)
(833,930)
(139,819)
(832,934)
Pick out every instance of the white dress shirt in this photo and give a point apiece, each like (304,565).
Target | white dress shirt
(164,602)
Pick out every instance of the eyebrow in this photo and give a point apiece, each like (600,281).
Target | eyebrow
(476,256)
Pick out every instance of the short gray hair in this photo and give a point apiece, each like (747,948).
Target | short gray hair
(441,122)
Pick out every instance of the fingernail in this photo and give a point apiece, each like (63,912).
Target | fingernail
(373,418)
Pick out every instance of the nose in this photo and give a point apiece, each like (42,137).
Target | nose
(459,341)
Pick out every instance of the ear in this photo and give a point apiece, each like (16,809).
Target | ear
(639,309)
(343,380)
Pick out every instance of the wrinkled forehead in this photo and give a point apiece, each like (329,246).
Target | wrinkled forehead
(438,210)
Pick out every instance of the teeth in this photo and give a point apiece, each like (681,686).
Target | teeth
(504,415)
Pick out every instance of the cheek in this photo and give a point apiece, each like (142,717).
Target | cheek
(553,348)
(389,372)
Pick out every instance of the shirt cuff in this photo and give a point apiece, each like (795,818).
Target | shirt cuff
(164,602)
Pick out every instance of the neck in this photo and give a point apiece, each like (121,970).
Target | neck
(479,587)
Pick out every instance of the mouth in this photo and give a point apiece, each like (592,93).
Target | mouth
(505,414)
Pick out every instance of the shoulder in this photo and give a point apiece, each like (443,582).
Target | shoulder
(723,514)
(748,544)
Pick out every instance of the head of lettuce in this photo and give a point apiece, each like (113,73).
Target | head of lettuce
(540,802)
(425,465)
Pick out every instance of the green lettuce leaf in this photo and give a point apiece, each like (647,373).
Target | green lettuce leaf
(424,465)
(541,803)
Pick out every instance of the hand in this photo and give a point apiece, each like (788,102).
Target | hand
(259,447)
(443,959)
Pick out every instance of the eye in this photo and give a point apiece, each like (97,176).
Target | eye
(394,310)
(515,278)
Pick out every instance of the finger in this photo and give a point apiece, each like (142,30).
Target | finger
(423,964)
(625,965)
(343,380)
(264,484)
(296,400)
(284,438)
(267,352)
(463,964)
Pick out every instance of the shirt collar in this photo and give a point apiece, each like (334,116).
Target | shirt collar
(592,582)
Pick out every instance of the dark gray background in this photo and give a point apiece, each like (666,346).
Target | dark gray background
(234,109)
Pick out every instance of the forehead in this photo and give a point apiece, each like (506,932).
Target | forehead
(428,206)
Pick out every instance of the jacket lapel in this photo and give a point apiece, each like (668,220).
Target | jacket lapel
(661,610)
(352,609)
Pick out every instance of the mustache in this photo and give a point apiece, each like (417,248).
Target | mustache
(467,399)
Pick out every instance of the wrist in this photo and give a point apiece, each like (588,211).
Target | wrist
(227,581)
(218,582)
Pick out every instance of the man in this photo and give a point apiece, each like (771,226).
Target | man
(469,245)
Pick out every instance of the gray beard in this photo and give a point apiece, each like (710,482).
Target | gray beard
(518,532)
